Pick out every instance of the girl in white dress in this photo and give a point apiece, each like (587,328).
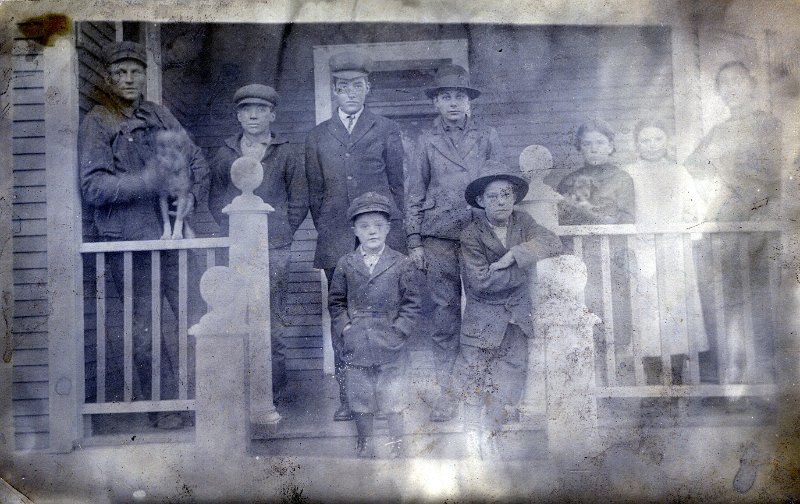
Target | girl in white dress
(667,320)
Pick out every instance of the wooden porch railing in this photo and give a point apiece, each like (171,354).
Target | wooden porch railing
(155,249)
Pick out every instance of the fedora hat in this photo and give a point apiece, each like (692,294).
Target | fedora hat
(452,77)
(491,171)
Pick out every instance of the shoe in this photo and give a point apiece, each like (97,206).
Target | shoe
(343,414)
(396,448)
(364,448)
(444,411)
(473,445)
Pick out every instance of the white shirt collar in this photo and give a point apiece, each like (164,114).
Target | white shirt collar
(343,117)
(364,252)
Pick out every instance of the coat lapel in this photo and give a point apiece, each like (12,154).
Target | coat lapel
(388,258)
(471,137)
(443,144)
(337,129)
(357,263)
(364,124)
(490,239)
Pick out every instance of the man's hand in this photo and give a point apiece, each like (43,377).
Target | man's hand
(503,263)
(417,254)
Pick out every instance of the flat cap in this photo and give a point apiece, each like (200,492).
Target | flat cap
(369,202)
(349,65)
(256,93)
(126,49)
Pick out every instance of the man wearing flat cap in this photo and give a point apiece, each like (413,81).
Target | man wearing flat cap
(353,152)
(116,142)
(448,156)
(283,187)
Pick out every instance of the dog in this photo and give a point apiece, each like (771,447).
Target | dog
(171,161)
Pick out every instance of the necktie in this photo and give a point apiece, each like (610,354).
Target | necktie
(350,120)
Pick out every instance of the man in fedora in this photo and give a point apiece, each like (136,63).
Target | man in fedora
(283,187)
(448,156)
(352,153)
(116,141)
(499,249)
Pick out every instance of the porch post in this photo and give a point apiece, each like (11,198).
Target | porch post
(64,266)
(222,364)
(249,256)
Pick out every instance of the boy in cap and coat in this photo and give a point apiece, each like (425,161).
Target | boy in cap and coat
(116,141)
(374,305)
(447,158)
(499,249)
(353,152)
(283,187)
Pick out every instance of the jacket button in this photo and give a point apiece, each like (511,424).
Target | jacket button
(347,155)
(349,177)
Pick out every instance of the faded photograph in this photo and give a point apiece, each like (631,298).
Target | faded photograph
(310,261)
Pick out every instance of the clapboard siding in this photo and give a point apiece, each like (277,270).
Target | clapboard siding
(29,243)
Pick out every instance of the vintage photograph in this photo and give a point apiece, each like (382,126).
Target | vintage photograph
(320,251)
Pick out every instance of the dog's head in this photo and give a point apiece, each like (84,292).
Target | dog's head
(173,148)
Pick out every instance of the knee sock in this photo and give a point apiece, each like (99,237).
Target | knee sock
(364,425)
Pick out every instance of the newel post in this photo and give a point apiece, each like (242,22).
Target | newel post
(222,413)
(249,256)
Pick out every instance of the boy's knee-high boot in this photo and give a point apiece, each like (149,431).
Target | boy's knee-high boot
(365,429)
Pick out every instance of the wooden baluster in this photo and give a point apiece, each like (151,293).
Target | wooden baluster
(183,326)
(663,308)
(127,335)
(636,346)
(723,346)
(747,315)
(100,276)
(608,311)
(211,261)
(692,322)
(155,327)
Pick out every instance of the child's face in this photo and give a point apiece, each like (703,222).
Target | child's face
(498,201)
(735,87)
(652,143)
(255,118)
(596,148)
(371,230)
(351,94)
(452,104)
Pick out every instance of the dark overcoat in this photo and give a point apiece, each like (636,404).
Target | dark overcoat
(340,167)
(497,298)
(382,308)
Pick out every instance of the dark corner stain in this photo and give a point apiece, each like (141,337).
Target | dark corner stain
(44,29)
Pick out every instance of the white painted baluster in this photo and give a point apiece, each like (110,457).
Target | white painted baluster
(723,345)
(183,346)
(155,329)
(747,315)
(127,335)
(100,276)
(694,320)
(608,311)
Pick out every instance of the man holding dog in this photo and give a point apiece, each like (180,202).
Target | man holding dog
(283,187)
(116,141)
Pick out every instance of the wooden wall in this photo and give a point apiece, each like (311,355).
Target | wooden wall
(539,82)
(29,240)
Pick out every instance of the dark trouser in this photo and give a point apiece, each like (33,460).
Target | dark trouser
(444,284)
(279,261)
(338,362)
(492,377)
(142,322)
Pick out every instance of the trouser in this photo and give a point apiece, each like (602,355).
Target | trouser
(444,285)
(380,387)
(338,362)
(141,322)
(492,378)
(279,261)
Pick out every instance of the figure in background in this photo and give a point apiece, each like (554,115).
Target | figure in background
(115,142)
(375,306)
(601,193)
(499,249)
(665,305)
(738,164)
(283,187)
(448,156)
(352,153)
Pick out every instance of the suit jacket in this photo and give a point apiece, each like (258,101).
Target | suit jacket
(284,187)
(438,176)
(382,308)
(342,166)
(497,298)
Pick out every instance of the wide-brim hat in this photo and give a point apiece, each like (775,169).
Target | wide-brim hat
(124,50)
(491,171)
(452,77)
(367,203)
(349,65)
(258,94)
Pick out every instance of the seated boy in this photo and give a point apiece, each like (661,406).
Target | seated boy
(498,250)
(374,304)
